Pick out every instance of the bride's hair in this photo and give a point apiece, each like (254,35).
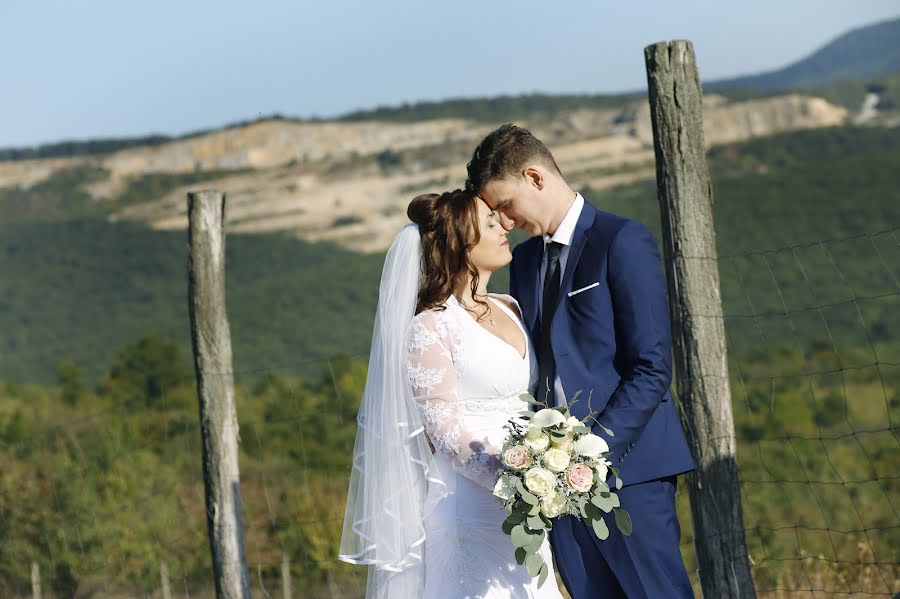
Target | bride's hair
(448,226)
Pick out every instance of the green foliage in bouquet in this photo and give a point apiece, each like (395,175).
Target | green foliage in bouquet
(553,465)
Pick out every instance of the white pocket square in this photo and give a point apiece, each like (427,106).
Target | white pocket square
(577,291)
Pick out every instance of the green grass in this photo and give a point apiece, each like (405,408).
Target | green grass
(101,511)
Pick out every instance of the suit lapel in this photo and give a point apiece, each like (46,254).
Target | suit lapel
(533,255)
(579,237)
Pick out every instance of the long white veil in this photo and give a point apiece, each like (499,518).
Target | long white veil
(392,462)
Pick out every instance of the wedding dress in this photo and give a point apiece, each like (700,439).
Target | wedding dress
(465,381)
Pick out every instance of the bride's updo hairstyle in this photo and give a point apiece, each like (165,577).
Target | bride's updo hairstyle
(448,226)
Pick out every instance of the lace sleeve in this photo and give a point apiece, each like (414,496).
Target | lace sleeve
(433,378)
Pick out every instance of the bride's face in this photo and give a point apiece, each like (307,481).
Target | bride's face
(491,253)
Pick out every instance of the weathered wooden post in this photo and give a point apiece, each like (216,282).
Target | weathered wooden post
(285,576)
(698,330)
(164,580)
(35,581)
(211,341)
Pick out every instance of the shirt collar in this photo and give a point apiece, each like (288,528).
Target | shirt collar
(566,229)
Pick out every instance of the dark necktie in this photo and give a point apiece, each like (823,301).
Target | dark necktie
(546,361)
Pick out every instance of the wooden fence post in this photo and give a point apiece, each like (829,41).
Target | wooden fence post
(164,580)
(698,330)
(211,342)
(35,581)
(285,576)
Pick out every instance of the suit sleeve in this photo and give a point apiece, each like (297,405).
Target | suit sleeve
(640,310)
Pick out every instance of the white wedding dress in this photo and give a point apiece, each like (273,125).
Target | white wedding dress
(466,383)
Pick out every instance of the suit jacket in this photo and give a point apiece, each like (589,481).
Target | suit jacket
(611,339)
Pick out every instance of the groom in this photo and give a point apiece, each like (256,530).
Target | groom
(593,296)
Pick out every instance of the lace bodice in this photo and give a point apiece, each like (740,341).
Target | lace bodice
(466,382)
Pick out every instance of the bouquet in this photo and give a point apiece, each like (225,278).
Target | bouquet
(554,465)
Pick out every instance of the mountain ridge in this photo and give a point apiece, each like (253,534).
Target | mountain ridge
(862,53)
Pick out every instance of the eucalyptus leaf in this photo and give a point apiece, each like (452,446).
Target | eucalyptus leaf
(525,494)
(507,526)
(529,498)
(517,517)
(600,529)
(542,576)
(535,522)
(580,502)
(536,542)
(618,483)
(535,509)
(623,521)
(526,397)
(534,563)
(521,554)
(519,536)
(605,503)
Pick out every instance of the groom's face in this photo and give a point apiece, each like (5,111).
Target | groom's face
(517,199)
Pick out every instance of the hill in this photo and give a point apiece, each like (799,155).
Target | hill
(80,288)
(864,53)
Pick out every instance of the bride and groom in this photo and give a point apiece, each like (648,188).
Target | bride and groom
(587,310)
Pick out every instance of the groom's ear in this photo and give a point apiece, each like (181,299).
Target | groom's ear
(534,176)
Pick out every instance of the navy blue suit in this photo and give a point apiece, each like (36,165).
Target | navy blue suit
(613,340)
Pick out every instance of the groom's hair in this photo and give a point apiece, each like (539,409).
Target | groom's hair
(503,154)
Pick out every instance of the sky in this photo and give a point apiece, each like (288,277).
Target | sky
(114,68)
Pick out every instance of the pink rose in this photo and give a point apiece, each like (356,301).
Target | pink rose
(517,457)
(580,477)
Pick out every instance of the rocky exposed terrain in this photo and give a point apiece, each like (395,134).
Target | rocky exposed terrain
(351,181)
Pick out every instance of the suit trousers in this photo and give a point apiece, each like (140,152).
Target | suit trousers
(645,565)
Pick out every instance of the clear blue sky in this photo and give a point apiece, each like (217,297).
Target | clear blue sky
(100,68)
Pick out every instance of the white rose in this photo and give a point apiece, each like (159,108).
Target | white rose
(547,417)
(539,481)
(556,459)
(602,467)
(573,422)
(564,444)
(553,504)
(591,446)
(536,440)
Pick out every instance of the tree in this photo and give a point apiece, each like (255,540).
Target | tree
(68,377)
(148,369)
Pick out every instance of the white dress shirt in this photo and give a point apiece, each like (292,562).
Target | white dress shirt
(563,235)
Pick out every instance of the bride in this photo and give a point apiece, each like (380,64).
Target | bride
(447,363)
